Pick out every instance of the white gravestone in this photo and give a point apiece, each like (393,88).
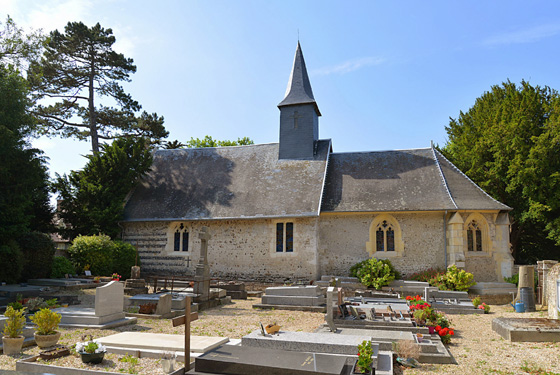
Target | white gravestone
(109,299)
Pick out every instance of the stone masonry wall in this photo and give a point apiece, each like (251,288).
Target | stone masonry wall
(342,242)
(238,249)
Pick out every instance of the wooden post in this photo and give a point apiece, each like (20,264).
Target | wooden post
(186,320)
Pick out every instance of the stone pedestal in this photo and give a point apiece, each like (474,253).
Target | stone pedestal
(202,272)
(133,287)
(553,292)
(135,272)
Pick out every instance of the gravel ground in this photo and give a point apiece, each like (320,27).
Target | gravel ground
(476,348)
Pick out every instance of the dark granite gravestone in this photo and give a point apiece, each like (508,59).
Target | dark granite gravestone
(240,360)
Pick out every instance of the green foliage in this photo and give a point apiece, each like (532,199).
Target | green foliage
(426,275)
(356,267)
(513,280)
(91,347)
(454,279)
(124,258)
(46,320)
(365,353)
(13,326)
(78,67)
(17,49)
(16,305)
(208,141)
(476,301)
(62,266)
(12,262)
(38,250)
(97,251)
(93,197)
(375,273)
(24,201)
(509,144)
(35,303)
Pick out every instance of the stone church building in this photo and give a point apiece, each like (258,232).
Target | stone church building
(297,210)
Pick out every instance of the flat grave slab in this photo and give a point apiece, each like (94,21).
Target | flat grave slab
(304,290)
(84,317)
(59,282)
(177,299)
(527,329)
(330,343)
(161,341)
(293,300)
(241,360)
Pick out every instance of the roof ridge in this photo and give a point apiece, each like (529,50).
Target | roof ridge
(471,181)
(443,177)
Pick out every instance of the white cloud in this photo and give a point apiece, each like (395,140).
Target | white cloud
(348,66)
(529,35)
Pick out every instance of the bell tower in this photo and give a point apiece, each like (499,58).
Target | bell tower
(299,115)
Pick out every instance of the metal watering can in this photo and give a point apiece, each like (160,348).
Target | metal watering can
(519,307)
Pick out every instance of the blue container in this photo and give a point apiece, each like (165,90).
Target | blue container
(519,307)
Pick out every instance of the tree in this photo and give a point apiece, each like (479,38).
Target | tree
(208,141)
(78,67)
(508,143)
(93,198)
(16,48)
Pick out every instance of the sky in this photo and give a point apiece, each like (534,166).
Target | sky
(385,75)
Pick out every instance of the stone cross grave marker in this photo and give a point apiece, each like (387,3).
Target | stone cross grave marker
(202,273)
(109,299)
(330,317)
(186,320)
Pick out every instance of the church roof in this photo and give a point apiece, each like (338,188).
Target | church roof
(228,182)
(299,87)
(402,180)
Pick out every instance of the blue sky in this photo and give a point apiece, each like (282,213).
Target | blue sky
(386,75)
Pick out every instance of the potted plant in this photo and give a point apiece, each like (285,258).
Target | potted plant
(365,360)
(91,351)
(12,339)
(47,322)
(116,276)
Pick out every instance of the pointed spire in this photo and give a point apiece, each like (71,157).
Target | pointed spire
(299,88)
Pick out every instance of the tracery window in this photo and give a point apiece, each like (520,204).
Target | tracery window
(385,237)
(181,238)
(474,237)
(285,237)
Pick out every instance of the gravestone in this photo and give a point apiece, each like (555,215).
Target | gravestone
(202,271)
(241,360)
(330,313)
(553,292)
(107,313)
(308,298)
(164,305)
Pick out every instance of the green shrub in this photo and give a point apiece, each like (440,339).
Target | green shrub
(376,273)
(454,279)
(95,251)
(476,301)
(13,326)
(62,266)
(38,251)
(427,274)
(124,257)
(46,320)
(356,267)
(11,259)
(513,280)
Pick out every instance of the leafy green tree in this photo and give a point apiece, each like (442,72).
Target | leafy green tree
(208,141)
(93,198)
(78,67)
(508,143)
(17,49)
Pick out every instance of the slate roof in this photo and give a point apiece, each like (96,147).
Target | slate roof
(403,180)
(299,89)
(228,182)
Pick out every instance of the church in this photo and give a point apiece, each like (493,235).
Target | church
(298,210)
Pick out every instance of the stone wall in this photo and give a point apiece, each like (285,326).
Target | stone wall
(238,249)
(343,237)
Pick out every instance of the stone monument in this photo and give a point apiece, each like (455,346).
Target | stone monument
(135,285)
(202,272)
(553,292)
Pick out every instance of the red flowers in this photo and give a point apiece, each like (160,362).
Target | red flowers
(445,334)
(416,303)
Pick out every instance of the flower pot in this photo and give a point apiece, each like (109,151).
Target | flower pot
(356,370)
(92,358)
(168,365)
(12,345)
(46,341)
(432,330)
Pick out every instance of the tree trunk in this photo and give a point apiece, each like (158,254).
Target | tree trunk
(92,114)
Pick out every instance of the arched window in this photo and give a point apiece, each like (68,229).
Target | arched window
(474,237)
(385,236)
(180,238)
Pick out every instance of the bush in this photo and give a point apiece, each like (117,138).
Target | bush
(356,267)
(13,326)
(46,320)
(427,274)
(62,266)
(124,258)
(38,251)
(454,279)
(476,301)
(11,259)
(376,273)
(95,251)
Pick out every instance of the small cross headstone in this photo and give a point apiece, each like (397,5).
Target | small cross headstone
(186,320)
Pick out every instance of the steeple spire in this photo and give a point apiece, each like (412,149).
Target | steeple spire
(299,88)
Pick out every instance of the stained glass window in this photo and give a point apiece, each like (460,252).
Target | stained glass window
(390,239)
(478,240)
(279,237)
(380,240)
(185,241)
(289,237)
(470,240)
(177,241)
